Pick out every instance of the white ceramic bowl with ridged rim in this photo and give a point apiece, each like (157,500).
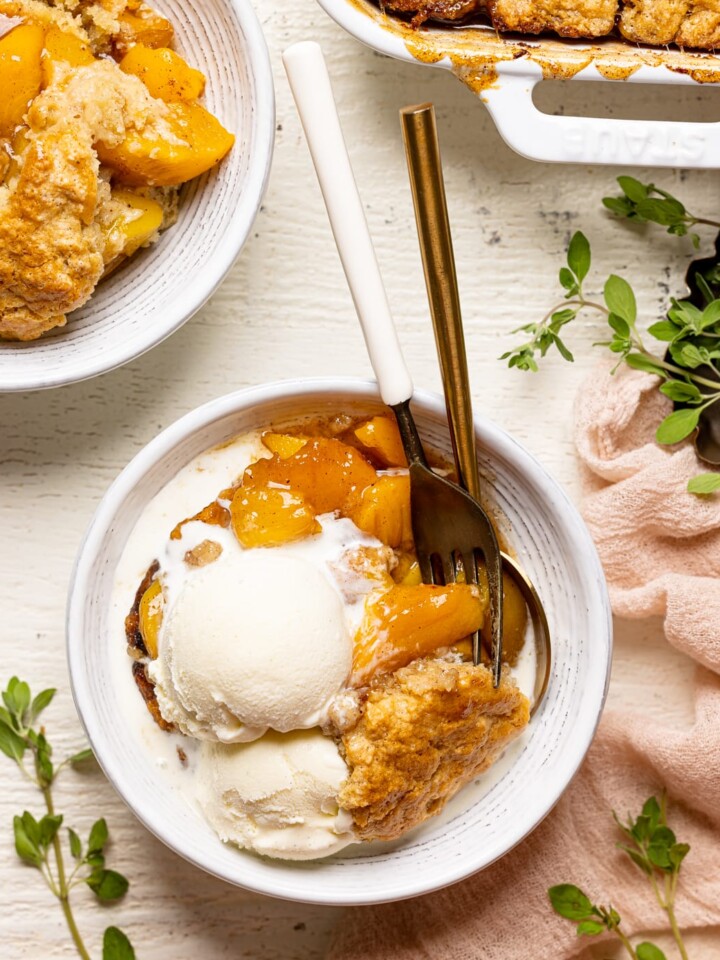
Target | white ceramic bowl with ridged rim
(552,543)
(160,288)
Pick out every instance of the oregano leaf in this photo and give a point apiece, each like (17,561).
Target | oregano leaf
(664,330)
(81,756)
(633,189)
(49,826)
(107,885)
(678,852)
(677,426)
(116,945)
(570,902)
(22,697)
(648,951)
(31,828)
(75,844)
(620,326)
(639,361)
(620,299)
(98,836)
(11,744)
(578,255)
(651,809)
(24,847)
(704,484)
(41,701)
(568,281)
(680,391)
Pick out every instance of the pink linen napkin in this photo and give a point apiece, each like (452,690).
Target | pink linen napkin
(660,548)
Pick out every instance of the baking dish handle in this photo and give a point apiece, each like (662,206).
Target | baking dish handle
(566,139)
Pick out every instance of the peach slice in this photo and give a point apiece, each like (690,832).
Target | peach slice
(407,571)
(381,438)
(140,24)
(405,623)
(199,143)
(63,47)
(214,513)
(268,517)
(383,511)
(138,222)
(166,75)
(151,614)
(325,472)
(283,444)
(20,73)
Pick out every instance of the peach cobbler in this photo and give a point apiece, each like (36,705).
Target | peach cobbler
(285,629)
(100,124)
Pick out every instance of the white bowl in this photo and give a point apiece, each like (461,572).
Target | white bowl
(483,822)
(162,287)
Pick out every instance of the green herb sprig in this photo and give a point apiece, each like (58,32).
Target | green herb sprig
(646,203)
(689,334)
(652,846)
(38,840)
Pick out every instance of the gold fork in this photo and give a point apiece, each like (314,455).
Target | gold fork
(449,527)
(428,189)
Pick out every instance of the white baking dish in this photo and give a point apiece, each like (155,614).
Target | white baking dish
(504,73)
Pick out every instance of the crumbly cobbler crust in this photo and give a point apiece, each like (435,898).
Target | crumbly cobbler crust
(56,205)
(687,23)
(423,733)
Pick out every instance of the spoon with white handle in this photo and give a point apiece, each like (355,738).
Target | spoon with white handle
(449,527)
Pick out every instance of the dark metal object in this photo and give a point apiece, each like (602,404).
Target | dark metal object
(703,282)
(449,528)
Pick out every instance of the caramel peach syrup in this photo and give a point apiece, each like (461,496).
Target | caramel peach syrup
(286,619)
(100,123)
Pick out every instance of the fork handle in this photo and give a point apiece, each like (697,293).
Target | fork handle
(310,85)
(412,444)
(422,150)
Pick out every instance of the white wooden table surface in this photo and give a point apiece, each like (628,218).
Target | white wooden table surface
(284,311)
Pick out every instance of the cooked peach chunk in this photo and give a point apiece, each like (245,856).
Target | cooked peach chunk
(140,24)
(214,513)
(267,516)
(326,472)
(383,511)
(166,75)
(20,73)
(283,444)
(381,437)
(199,142)
(151,614)
(410,622)
(139,220)
(63,47)
(407,571)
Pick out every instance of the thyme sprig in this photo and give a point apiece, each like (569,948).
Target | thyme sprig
(652,846)
(646,203)
(38,839)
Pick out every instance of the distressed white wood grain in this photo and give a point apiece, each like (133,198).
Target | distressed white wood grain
(284,311)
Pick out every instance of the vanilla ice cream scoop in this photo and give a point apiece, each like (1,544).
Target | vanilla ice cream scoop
(256,640)
(278,795)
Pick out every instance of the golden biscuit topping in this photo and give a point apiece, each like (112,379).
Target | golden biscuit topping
(423,733)
(99,127)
